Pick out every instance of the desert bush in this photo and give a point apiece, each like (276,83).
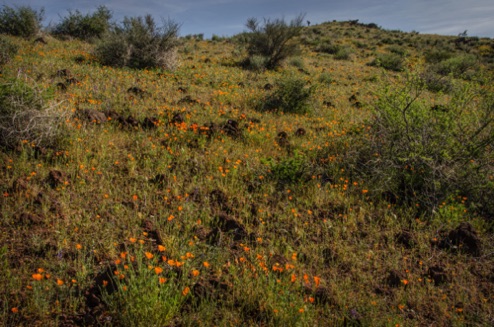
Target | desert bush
(288,170)
(84,27)
(328,47)
(435,56)
(26,117)
(7,51)
(456,66)
(437,83)
(20,21)
(273,40)
(139,43)
(389,61)
(397,50)
(297,62)
(421,155)
(291,95)
(344,53)
(325,78)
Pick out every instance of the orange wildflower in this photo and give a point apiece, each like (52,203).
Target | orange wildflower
(317,280)
(162,280)
(161,248)
(37,277)
(195,272)
(186,291)
(78,246)
(59,282)
(149,255)
(158,270)
(206,264)
(14,310)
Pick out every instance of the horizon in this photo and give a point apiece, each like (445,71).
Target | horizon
(228,17)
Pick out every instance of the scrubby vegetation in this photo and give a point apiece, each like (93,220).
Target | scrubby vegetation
(84,27)
(313,191)
(20,21)
(140,43)
(269,44)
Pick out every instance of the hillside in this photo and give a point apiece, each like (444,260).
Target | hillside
(180,198)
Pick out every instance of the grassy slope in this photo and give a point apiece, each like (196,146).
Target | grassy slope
(250,250)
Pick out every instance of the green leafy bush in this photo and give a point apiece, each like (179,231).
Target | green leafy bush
(25,116)
(456,66)
(7,51)
(20,21)
(421,155)
(436,56)
(84,27)
(139,43)
(328,47)
(273,40)
(288,170)
(292,95)
(344,53)
(437,83)
(389,61)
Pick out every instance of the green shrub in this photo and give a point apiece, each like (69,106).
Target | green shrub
(297,62)
(7,51)
(325,78)
(273,40)
(421,155)
(139,43)
(20,21)
(344,53)
(436,56)
(389,61)
(84,27)
(288,170)
(456,66)
(25,116)
(400,51)
(292,95)
(328,47)
(437,83)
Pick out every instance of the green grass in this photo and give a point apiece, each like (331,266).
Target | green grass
(250,222)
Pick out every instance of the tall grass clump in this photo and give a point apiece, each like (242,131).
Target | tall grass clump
(421,154)
(7,51)
(389,61)
(139,43)
(26,116)
(456,66)
(84,27)
(272,41)
(20,21)
(291,95)
(143,293)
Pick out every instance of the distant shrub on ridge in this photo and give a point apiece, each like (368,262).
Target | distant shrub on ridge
(140,43)
(273,40)
(20,21)
(84,27)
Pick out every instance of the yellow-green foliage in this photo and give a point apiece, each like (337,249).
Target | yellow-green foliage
(171,199)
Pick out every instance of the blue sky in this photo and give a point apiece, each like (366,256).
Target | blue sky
(227,17)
